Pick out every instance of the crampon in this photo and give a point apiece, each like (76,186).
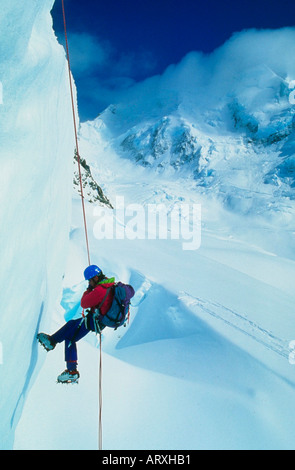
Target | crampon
(68,377)
(46,342)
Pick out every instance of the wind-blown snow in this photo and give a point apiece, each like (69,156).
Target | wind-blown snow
(36,140)
(225,121)
(204,363)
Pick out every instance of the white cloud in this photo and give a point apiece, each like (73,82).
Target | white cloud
(91,56)
(252,65)
(134,64)
(88,53)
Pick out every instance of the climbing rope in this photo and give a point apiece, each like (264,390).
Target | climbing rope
(84,213)
(100,396)
(75,130)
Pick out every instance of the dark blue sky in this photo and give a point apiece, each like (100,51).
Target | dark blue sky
(114,43)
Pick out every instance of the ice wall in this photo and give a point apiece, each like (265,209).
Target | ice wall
(36,154)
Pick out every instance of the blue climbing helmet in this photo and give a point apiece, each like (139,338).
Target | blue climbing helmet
(91,272)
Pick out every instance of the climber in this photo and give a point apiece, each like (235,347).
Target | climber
(98,298)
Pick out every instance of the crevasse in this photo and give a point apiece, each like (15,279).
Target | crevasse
(36,154)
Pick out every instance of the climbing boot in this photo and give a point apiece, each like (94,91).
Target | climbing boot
(46,341)
(68,377)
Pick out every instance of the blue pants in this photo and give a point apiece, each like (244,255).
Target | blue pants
(71,333)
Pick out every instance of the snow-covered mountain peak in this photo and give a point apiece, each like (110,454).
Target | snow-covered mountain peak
(224,120)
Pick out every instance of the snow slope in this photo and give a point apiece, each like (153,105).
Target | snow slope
(36,141)
(205,362)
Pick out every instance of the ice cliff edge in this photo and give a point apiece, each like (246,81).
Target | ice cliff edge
(36,154)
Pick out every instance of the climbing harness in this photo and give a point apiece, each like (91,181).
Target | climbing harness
(83,210)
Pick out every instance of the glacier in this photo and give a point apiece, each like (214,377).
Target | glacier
(37,148)
(205,362)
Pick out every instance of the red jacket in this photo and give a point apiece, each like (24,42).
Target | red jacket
(92,298)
